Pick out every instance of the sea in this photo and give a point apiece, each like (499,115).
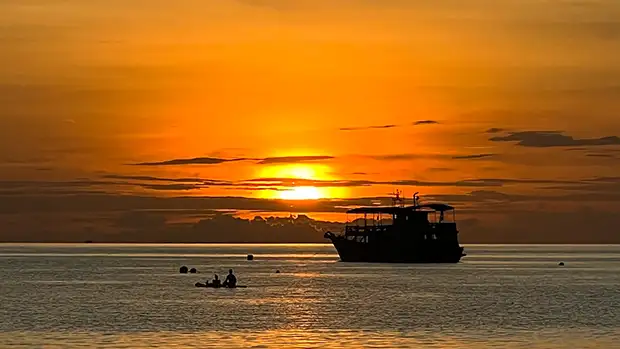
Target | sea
(302,296)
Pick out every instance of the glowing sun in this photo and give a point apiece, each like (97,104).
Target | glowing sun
(301,193)
(306,173)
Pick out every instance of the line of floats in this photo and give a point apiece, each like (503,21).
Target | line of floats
(184,270)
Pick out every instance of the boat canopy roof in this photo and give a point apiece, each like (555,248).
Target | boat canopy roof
(395,209)
(380,209)
(436,207)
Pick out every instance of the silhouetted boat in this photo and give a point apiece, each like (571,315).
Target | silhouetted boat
(410,234)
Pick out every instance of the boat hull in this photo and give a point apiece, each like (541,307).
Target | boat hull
(354,251)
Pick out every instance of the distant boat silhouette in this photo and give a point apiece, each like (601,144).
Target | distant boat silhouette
(409,237)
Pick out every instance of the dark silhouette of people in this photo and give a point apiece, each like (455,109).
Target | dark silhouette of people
(216,282)
(231,280)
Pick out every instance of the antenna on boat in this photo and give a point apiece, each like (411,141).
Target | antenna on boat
(396,200)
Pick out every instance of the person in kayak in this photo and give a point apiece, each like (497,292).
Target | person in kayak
(231,280)
(216,282)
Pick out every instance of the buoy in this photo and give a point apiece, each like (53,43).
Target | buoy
(250,257)
(183,270)
(277,272)
(193,270)
(561,264)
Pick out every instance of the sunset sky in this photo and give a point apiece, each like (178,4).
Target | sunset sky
(156,115)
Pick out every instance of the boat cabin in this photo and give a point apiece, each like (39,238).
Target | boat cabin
(423,222)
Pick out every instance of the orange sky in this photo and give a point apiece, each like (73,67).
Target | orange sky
(90,89)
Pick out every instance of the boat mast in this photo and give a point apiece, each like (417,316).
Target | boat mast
(397,201)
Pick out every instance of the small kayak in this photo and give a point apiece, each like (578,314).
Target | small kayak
(200,284)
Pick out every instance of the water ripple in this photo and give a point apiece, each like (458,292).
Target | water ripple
(505,297)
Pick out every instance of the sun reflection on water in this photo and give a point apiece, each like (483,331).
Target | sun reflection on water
(298,338)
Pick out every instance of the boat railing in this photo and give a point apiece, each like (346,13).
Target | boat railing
(354,230)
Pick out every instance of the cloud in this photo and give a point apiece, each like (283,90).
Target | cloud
(519,217)
(191,161)
(440,169)
(576,149)
(217,161)
(155,179)
(473,156)
(597,155)
(375,127)
(413,156)
(195,180)
(49,210)
(544,139)
(425,122)
(293,159)
(367,127)
(87,186)
(295,182)
(173,187)
(483,182)
(399,157)
(504,181)
(608,153)
(597,185)
(77,202)
(78,183)
(494,130)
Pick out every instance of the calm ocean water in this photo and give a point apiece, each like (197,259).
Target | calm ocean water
(132,296)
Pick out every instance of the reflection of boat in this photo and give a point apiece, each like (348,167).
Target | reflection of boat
(400,234)
(200,284)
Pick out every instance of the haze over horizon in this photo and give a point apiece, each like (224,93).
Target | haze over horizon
(159,121)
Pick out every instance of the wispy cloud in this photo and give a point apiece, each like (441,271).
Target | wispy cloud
(473,156)
(599,185)
(217,161)
(196,181)
(146,219)
(401,157)
(386,126)
(609,153)
(86,186)
(190,161)
(425,122)
(601,155)
(440,169)
(414,156)
(171,187)
(368,127)
(293,159)
(154,179)
(545,139)
(482,182)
